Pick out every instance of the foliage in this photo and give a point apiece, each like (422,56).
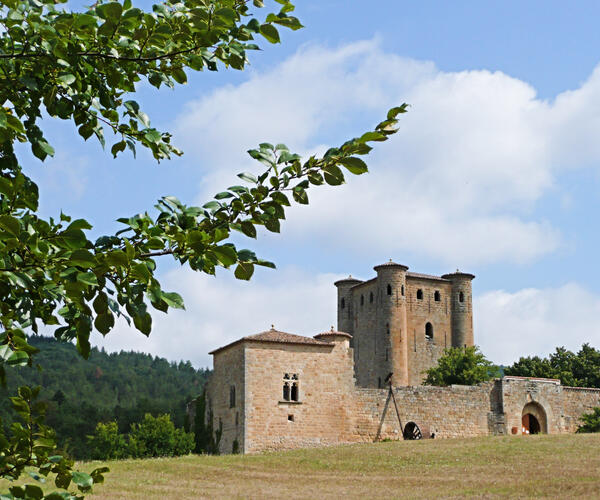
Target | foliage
(576,370)
(206,438)
(462,366)
(152,437)
(81,66)
(119,387)
(31,444)
(158,437)
(591,421)
(106,443)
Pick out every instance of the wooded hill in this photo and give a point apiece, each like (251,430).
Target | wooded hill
(117,386)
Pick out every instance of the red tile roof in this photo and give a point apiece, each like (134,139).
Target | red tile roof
(275,336)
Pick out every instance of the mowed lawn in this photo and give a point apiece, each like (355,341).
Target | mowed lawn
(560,466)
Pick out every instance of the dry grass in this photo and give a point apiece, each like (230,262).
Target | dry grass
(566,466)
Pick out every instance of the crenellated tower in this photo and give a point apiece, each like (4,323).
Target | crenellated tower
(391,321)
(345,309)
(462,308)
(402,321)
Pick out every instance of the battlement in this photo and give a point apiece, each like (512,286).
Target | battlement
(401,321)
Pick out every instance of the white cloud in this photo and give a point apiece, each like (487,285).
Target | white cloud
(223,309)
(535,321)
(458,183)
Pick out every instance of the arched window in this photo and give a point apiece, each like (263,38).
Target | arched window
(362,300)
(402,290)
(371,297)
(343,303)
(429,331)
(294,392)
(461,297)
(389,289)
(232,396)
(437,297)
(419,294)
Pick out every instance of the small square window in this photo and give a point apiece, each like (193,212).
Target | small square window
(290,418)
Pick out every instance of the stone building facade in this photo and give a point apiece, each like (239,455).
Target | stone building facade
(401,322)
(276,390)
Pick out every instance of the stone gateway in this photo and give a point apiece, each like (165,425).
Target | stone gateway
(276,390)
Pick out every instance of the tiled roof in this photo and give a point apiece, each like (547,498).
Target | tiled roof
(333,332)
(275,336)
(390,264)
(349,279)
(425,276)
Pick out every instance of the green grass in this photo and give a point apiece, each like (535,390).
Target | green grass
(560,466)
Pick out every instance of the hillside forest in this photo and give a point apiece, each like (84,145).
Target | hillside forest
(121,387)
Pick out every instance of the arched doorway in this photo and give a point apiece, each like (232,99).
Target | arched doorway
(533,419)
(412,431)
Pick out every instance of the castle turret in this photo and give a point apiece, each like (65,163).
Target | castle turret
(392,320)
(345,313)
(462,310)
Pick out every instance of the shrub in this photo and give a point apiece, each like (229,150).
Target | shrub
(591,421)
(463,366)
(107,443)
(157,437)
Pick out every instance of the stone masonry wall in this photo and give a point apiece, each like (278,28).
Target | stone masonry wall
(326,390)
(559,408)
(424,353)
(456,411)
(228,371)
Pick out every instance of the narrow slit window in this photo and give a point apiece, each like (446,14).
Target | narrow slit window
(389,289)
(362,300)
(371,297)
(294,392)
(461,297)
(437,296)
(402,290)
(232,396)
(419,294)
(387,328)
(343,303)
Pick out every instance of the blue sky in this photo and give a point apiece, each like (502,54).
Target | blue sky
(494,170)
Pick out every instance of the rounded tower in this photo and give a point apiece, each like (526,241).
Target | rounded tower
(345,316)
(391,318)
(462,308)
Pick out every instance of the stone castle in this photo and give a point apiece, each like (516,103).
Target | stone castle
(362,383)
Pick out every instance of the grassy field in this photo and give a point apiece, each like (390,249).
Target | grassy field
(562,466)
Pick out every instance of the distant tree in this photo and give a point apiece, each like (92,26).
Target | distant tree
(591,421)
(463,366)
(158,437)
(106,443)
(578,370)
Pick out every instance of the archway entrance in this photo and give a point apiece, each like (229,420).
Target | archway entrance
(533,419)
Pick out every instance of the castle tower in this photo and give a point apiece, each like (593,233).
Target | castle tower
(345,308)
(462,308)
(391,320)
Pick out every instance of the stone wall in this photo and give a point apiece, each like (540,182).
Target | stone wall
(424,353)
(229,371)
(326,389)
(456,411)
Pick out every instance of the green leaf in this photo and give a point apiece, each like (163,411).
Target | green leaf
(10,225)
(88,278)
(18,358)
(173,300)
(354,165)
(248,229)
(104,322)
(65,78)
(392,113)
(226,255)
(82,480)
(244,271)
(110,11)
(248,177)
(270,33)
